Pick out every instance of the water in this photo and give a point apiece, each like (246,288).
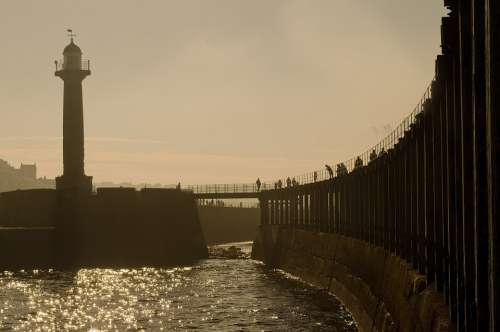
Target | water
(213,295)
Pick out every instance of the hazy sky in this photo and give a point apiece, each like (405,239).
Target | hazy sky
(206,91)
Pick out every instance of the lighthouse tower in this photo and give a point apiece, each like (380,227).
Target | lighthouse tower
(72,70)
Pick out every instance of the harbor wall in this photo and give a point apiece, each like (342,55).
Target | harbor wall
(117,227)
(228,224)
(381,290)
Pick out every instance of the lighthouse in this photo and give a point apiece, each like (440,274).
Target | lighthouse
(73,70)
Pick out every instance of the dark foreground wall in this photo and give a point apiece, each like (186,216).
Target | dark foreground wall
(382,292)
(229,224)
(118,227)
(27,229)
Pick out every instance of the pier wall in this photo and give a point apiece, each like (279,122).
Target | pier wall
(228,224)
(28,208)
(117,227)
(27,228)
(380,289)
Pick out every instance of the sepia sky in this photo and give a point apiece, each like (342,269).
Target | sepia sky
(214,91)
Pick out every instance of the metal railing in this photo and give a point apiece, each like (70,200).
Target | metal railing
(61,65)
(227,188)
(226,204)
(347,166)
(319,175)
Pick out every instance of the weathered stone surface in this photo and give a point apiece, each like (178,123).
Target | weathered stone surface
(380,289)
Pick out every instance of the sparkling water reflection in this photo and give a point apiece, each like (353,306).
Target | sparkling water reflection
(214,295)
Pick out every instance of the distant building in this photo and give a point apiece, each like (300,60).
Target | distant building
(28,171)
(24,177)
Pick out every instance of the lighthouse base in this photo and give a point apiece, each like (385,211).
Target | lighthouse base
(82,183)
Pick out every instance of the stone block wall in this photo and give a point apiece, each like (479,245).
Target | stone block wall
(381,290)
(123,227)
(228,224)
(118,227)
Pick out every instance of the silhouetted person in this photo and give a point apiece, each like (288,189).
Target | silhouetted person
(373,155)
(280,184)
(341,169)
(258,184)
(315,176)
(358,163)
(178,187)
(330,171)
(288,182)
(294,182)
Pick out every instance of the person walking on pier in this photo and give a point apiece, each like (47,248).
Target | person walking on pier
(257,183)
(341,169)
(329,170)
(358,163)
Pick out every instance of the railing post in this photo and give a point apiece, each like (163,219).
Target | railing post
(385,171)
(448,33)
(281,207)
(335,186)
(397,199)
(264,214)
(492,133)
(286,197)
(438,181)
(331,207)
(413,201)
(272,209)
(307,209)
(324,206)
(312,206)
(344,207)
(429,197)
(367,197)
(355,204)
(467,78)
(391,191)
(460,254)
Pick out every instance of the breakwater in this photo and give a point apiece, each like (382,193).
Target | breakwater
(117,227)
(228,224)
(382,291)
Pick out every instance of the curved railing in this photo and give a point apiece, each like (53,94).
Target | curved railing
(362,159)
(322,174)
